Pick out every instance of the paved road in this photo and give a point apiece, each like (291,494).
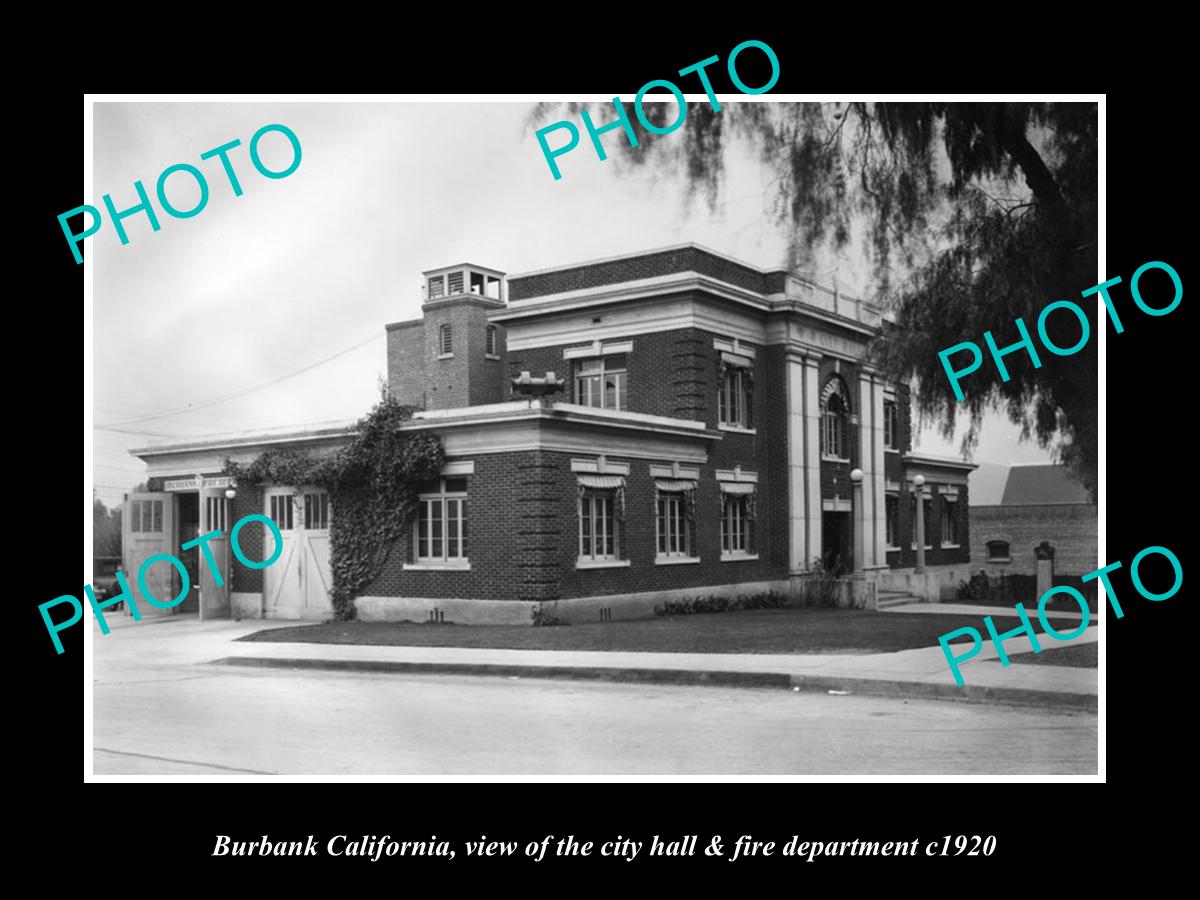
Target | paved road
(183,719)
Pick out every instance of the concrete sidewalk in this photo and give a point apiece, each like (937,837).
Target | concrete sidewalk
(920,673)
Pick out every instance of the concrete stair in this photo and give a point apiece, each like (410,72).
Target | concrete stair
(895,598)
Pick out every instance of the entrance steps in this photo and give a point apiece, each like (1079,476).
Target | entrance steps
(895,598)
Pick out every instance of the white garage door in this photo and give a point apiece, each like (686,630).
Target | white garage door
(296,586)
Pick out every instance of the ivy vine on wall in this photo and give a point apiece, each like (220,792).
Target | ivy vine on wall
(373,483)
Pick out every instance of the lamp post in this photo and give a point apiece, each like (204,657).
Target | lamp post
(856,479)
(230,493)
(919,484)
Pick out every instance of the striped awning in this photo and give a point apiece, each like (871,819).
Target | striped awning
(601,482)
(674,484)
(737,487)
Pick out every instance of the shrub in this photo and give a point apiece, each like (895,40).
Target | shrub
(697,605)
(545,617)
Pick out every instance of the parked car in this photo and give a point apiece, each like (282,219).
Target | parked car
(104,577)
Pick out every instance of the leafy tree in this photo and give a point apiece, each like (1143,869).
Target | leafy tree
(106,529)
(970,214)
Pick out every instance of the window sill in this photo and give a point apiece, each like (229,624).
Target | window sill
(675,560)
(1006,559)
(891,449)
(913,547)
(437,567)
(445,356)
(891,549)
(951,547)
(835,459)
(602,563)
(490,356)
(738,557)
(736,429)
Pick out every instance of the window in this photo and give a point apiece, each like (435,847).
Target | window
(602,382)
(912,511)
(997,551)
(736,525)
(598,538)
(442,523)
(949,522)
(835,414)
(282,511)
(890,426)
(454,283)
(145,516)
(316,511)
(734,400)
(446,341)
(892,512)
(490,342)
(437,287)
(673,525)
(217,510)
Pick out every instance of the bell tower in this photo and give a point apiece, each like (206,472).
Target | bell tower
(452,356)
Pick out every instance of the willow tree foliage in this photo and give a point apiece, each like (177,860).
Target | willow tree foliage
(970,214)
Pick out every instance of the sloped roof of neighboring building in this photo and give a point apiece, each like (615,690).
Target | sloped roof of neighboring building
(1029,485)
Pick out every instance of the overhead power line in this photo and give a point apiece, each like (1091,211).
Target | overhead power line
(110,426)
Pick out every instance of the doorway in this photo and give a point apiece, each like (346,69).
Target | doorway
(837,551)
(188,505)
(297,585)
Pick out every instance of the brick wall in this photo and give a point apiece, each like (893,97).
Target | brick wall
(906,556)
(648,265)
(406,362)
(523,538)
(1071,528)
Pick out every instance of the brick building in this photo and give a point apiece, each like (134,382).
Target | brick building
(1039,503)
(719,433)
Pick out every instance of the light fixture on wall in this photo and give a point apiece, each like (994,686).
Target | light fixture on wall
(230,493)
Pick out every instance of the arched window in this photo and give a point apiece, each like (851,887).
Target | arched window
(835,418)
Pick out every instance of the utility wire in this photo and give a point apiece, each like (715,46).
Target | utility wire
(227,397)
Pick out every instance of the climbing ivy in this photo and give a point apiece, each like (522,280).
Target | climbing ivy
(372,482)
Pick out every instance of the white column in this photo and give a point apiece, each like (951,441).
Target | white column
(797,520)
(880,478)
(867,425)
(812,457)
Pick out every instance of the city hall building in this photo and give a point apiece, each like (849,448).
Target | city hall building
(666,424)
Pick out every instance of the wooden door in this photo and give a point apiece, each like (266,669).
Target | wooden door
(148,528)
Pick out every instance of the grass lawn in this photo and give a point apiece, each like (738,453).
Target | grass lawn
(1081,656)
(748,631)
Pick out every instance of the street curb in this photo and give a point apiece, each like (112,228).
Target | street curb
(876,687)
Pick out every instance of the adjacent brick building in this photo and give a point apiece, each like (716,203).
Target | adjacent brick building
(720,432)
(1039,503)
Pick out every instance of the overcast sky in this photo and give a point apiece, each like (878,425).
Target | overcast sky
(299,269)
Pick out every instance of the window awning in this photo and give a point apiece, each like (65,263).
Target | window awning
(601,482)
(734,487)
(674,484)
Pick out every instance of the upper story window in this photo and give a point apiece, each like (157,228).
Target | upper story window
(602,382)
(891,426)
(490,341)
(441,534)
(735,396)
(446,341)
(835,420)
